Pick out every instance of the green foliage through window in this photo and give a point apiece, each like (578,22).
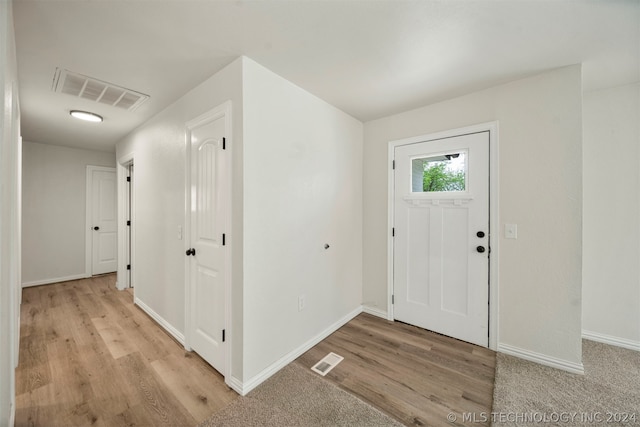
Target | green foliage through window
(437,177)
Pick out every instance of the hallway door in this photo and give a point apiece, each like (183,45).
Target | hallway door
(207,250)
(101,183)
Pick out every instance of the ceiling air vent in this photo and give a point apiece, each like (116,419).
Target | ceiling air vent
(74,84)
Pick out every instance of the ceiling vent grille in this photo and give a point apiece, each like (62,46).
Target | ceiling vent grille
(74,84)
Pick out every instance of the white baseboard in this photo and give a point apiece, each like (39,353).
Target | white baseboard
(54,280)
(235,384)
(532,356)
(374,311)
(611,340)
(12,415)
(179,336)
(243,388)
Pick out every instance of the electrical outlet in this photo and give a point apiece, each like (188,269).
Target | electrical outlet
(301,302)
(511,231)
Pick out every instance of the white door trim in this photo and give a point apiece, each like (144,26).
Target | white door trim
(223,110)
(122,277)
(88,232)
(494,222)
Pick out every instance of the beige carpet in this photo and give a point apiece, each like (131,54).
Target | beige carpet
(608,394)
(296,396)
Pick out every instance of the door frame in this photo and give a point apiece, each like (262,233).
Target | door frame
(126,244)
(88,233)
(494,214)
(222,110)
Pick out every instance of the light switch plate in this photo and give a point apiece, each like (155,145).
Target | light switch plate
(511,231)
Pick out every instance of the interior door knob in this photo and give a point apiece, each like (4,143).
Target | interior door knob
(480,234)
(96,228)
(480,249)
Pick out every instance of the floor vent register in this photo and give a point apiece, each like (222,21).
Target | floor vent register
(327,364)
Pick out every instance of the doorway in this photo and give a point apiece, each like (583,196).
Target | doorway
(101,222)
(128,234)
(443,275)
(126,223)
(207,249)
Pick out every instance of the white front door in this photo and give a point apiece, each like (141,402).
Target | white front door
(441,227)
(104,255)
(207,241)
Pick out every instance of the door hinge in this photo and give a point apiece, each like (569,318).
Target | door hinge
(393,232)
(128,179)
(393,164)
(393,299)
(128,222)
(223,335)
(224,143)
(224,239)
(129,267)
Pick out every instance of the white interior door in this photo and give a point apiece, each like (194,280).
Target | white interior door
(207,260)
(128,235)
(104,252)
(441,226)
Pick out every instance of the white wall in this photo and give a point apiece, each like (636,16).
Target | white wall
(611,272)
(302,189)
(9,215)
(297,178)
(540,190)
(158,149)
(54,211)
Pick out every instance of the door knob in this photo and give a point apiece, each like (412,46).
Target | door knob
(96,228)
(191,251)
(480,249)
(480,234)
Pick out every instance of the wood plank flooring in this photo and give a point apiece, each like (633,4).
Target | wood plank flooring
(88,356)
(416,376)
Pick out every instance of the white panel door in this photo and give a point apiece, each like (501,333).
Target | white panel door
(207,265)
(441,225)
(104,250)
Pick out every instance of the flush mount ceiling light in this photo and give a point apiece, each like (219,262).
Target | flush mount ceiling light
(85,115)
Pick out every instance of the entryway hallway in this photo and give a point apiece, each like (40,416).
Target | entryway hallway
(89,356)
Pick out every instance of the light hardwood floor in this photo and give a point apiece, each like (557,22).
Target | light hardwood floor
(416,376)
(90,357)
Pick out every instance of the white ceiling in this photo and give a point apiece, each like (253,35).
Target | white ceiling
(368,58)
